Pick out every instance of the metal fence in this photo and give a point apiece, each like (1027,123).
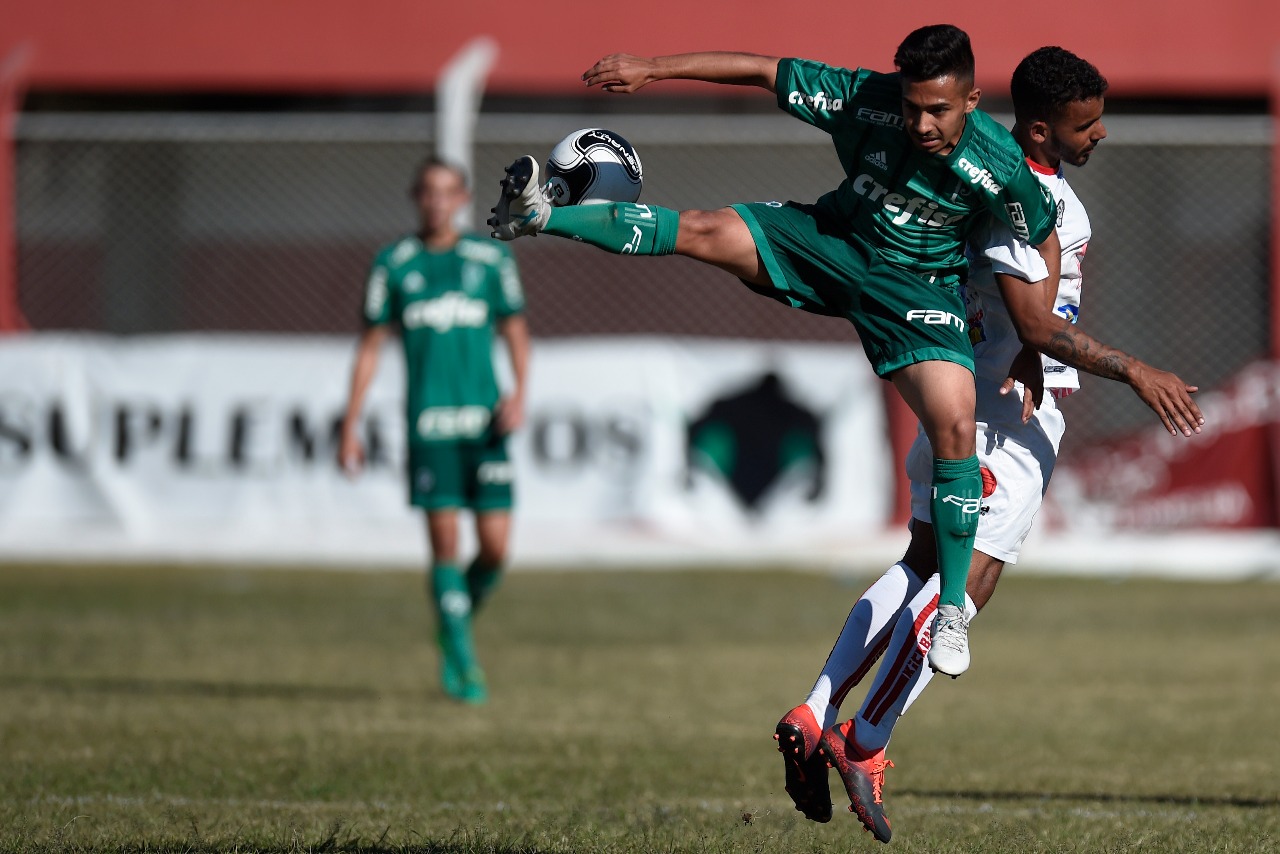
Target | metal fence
(144,223)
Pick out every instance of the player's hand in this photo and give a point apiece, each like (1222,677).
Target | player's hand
(621,73)
(1169,397)
(1028,370)
(508,415)
(350,452)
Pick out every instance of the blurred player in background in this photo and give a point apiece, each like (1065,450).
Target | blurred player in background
(1012,313)
(885,250)
(446,293)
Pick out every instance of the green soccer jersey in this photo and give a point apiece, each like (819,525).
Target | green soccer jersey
(445,303)
(916,208)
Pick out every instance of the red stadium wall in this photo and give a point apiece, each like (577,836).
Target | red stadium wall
(1176,48)
(14,65)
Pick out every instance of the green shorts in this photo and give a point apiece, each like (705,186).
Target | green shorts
(901,317)
(476,475)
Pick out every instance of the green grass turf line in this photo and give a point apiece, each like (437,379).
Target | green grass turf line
(222,710)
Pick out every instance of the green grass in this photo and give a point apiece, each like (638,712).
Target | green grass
(148,709)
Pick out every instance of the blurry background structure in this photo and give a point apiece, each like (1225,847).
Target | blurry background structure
(183,222)
(230,169)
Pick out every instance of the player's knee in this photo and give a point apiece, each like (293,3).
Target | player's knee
(700,228)
(493,555)
(444,545)
(954,438)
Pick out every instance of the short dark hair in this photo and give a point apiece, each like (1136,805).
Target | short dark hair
(434,161)
(938,50)
(1050,78)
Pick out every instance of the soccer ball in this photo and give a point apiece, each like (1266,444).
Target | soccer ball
(593,166)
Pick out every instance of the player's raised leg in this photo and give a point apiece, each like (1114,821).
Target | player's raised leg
(718,237)
(942,396)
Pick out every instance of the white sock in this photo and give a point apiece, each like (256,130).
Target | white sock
(861,640)
(903,673)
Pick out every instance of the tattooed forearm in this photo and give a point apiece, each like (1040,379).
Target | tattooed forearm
(1114,365)
(1075,348)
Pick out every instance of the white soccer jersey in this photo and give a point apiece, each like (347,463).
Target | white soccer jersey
(994,249)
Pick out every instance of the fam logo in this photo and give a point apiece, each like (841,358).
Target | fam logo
(935,317)
(879,117)
(754,438)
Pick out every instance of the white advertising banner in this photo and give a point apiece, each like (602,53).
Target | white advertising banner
(635,450)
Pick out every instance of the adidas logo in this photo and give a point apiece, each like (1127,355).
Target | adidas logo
(878,160)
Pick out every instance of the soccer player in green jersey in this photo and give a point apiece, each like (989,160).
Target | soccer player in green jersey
(884,250)
(1014,313)
(447,293)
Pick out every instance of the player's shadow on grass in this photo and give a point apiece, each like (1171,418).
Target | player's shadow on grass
(189,688)
(1100,797)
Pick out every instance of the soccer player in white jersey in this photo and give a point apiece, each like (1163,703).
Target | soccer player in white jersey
(1058,103)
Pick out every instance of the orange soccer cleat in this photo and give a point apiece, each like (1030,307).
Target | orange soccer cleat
(797,735)
(863,776)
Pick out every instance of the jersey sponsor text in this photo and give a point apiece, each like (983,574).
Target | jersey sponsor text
(878,117)
(936,317)
(453,422)
(1018,219)
(450,311)
(375,295)
(981,177)
(904,209)
(820,101)
(496,471)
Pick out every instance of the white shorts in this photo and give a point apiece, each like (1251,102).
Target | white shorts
(1017,461)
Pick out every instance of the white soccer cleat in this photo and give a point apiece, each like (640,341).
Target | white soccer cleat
(949,651)
(523,207)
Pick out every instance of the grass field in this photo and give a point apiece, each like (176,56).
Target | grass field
(147,709)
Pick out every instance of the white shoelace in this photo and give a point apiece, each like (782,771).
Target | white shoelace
(952,631)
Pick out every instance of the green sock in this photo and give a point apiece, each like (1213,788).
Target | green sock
(955,502)
(622,228)
(453,609)
(482,579)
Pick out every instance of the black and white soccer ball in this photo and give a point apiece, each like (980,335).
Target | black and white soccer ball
(593,166)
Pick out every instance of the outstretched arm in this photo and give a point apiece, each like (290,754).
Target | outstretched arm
(350,449)
(624,73)
(1027,367)
(1166,393)
(515,331)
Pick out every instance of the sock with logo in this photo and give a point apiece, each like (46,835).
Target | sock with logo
(861,641)
(903,672)
(482,579)
(453,611)
(954,505)
(622,228)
